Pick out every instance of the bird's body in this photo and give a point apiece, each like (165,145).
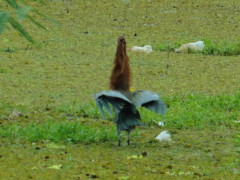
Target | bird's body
(123,101)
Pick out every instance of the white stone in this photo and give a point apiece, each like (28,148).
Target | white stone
(196,46)
(164,136)
(145,49)
(161,123)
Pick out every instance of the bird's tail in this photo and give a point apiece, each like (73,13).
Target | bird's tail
(128,118)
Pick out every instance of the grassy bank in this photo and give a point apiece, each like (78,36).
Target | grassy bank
(212,47)
(65,123)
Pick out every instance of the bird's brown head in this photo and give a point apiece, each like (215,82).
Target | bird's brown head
(121,40)
(121,48)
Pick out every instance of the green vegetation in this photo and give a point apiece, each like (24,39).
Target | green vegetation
(86,110)
(196,111)
(192,111)
(223,48)
(237,142)
(165,46)
(212,47)
(57,132)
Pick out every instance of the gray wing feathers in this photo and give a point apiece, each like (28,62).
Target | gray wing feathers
(140,97)
(148,100)
(103,104)
(113,94)
(114,101)
(156,106)
(114,98)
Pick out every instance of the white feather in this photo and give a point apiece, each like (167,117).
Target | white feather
(164,136)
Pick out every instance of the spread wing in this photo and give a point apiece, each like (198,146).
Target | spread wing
(108,100)
(148,100)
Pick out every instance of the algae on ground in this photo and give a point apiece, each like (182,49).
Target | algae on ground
(74,61)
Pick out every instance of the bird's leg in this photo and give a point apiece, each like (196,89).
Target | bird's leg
(119,139)
(128,140)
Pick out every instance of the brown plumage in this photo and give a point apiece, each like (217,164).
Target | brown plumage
(121,74)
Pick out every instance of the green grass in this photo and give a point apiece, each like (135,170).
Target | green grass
(192,111)
(53,131)
(86,110)
(7,108)
(212,47)
(237,141)
(163,46)
(197,111)
(223,48)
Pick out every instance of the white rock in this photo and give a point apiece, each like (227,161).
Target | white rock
(161,123)
(196,46)
(164,136)
(144,49)
(15,113)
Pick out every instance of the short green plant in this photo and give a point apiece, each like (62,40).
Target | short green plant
(223,48)
(237,141)
(6,109)
(212,47)
(54,131)
(192,111)
(164,46)
(200,111)
(86,110)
